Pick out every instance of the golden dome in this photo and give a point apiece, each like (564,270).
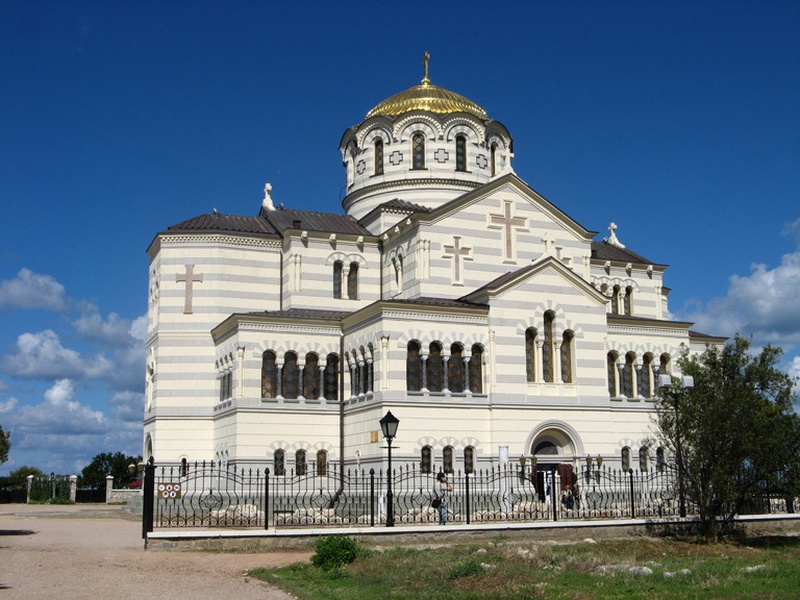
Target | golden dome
(427,97)
(431,98)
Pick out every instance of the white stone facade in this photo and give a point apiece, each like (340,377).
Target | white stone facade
(451,293)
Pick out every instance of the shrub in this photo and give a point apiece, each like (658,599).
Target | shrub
(333,552)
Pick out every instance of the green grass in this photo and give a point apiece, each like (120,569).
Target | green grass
(513,570)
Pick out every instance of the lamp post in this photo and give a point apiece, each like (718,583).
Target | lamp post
(665,383)
(389,425)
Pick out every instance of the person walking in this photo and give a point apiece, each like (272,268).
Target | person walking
(440,488)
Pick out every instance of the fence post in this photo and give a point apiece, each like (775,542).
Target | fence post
(466,485)
(633,496)
(266,498)
(372,497)
(148,490)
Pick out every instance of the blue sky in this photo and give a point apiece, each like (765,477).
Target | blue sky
(679,121)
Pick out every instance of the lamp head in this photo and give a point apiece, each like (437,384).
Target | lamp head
(389,425)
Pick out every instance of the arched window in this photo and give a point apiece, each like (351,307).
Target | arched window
(413,367)
(566,357)
(493,159)
(547,349)
(469,459)
(352,281)
(645,378)
(530,353)
(418,151)
(615,300)
(311,377)
(300,462)
(626,459)
(461,152)
(628,375)
(426,460)
(665,366)
(455,369)
(613,375)
(434,368)
(322,463)
(331,383)
(644,456)
(269,375)
(476,370)
(291,375)
(379,156)
(628,301)
(448,459)
(279,462)
(338,267)
(661,459)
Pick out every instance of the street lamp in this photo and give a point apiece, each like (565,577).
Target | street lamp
(389,425)
(665,383)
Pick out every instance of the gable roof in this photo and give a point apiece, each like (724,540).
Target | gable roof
(288,218)
(514,278)
(512,180)
(215,222)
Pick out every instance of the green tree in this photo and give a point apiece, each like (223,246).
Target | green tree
(5,444)
(25,470)
(116,464)
(736,429)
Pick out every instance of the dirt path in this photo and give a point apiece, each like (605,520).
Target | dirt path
(95,551)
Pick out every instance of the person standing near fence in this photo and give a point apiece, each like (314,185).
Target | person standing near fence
(440,489)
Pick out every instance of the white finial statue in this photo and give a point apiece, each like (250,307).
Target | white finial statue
(612,238)
(267,202)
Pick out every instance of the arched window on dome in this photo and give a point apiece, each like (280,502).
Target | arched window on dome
(379,156)
(493,159)
(461,152)
(418,151)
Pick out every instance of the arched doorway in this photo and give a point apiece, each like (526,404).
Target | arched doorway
(554,450)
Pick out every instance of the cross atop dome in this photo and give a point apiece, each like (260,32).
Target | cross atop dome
(425,58)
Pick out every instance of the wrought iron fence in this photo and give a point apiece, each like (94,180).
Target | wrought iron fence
(212,495)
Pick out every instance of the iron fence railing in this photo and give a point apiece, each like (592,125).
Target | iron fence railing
(211,495)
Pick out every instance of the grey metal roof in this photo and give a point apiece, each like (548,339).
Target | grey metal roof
(396,204)
(303,313)
(605,251)
(229,223)
(288,218)
(438,302)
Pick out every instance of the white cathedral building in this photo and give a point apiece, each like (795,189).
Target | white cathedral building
(487,320)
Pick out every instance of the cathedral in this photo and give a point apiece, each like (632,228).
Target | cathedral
(491,324)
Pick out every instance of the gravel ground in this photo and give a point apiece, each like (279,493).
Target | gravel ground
(96,551)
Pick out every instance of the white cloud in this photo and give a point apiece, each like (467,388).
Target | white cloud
(59,414)
(30,290)
(128,406)
(41,356)
(91,326)
(763,305)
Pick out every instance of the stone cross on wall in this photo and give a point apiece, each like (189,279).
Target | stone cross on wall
(189,278)
(457,252)
(506,222)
